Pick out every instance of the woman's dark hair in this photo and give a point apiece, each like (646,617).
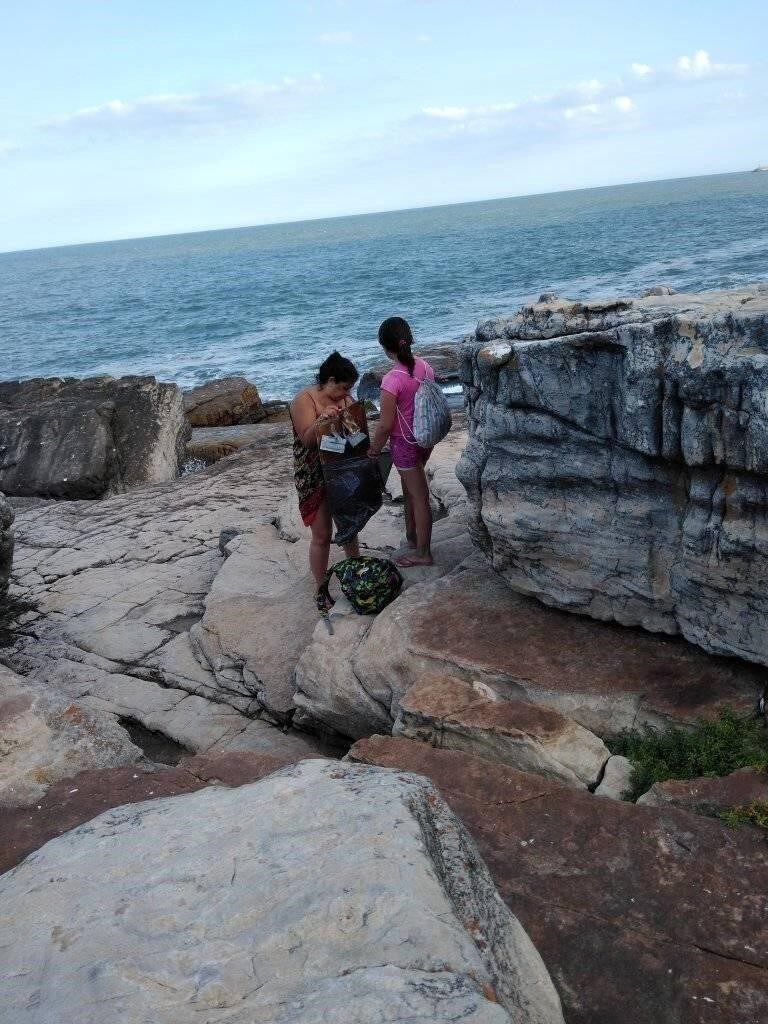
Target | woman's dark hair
(395,336)
(338,367)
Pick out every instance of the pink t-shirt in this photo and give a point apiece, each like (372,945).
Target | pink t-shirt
(398,382)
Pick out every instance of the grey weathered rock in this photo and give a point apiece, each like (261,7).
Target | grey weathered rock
(45,737)
(205,906)
(471,716)
(616,778)
(618,460)
(86,438)
(6,542)
(223,403)
(116,587)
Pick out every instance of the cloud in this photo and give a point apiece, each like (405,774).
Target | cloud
(235,104)
(642,70)
(336,38)
(6,148)
(700,65)
(624,104)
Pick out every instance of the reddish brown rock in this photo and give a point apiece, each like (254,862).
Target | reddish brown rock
(223,403)
(449,713)
(70,802)
(470,625)
(642,915)
(710,795)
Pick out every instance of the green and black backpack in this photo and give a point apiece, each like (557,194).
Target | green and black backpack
(368,583)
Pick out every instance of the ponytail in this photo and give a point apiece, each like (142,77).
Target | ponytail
(395,336)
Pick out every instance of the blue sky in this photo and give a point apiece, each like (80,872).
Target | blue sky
(120,119)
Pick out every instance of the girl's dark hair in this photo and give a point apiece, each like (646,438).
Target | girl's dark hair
(395,336)
(338,367)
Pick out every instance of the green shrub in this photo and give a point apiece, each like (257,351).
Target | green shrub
(755,813)
(716,747)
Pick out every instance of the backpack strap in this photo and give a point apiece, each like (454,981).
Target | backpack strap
(323,598)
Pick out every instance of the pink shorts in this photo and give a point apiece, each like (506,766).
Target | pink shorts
(406,455)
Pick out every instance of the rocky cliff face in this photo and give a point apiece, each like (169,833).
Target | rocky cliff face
(87,438)
(6,543)
(618,460)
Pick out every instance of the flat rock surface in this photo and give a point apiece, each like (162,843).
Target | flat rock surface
(641,915)
(45,737)
(323,893)
(710,795)
(71,801)
(68,438)
(451,713)
(618,460)
(469,624)
(213,443)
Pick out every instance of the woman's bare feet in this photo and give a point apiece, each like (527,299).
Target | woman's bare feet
(414,559)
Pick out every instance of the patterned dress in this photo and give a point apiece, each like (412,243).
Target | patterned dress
(308,473)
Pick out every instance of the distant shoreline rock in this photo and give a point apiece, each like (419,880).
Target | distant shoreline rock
(227,402)
(72,438)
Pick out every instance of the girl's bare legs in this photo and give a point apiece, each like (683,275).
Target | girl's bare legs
(320,545)
(410,526)
(416,488)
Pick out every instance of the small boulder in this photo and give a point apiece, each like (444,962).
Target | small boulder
(449,712)
(227,402)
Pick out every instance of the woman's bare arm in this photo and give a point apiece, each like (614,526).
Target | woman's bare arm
(385,424)
(306,420)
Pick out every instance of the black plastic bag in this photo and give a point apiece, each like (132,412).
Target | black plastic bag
(354,488)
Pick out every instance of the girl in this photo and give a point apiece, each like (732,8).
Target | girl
(398,391)
(312,410)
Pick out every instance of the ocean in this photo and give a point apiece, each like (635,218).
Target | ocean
(270,302)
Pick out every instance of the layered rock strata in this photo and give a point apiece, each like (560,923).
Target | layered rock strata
(618,460)
(323,893)
(87,438)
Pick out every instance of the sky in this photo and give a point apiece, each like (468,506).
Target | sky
(125,118)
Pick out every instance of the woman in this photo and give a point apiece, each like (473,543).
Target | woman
(311,411)
(398,392)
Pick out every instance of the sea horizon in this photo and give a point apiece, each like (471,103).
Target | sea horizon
(268,302)
(378,213)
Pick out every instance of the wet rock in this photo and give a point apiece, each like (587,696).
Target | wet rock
(87,438)
(223,403)
(206,903)
(618,460)
(641,914)
(448,712)
(45,737)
